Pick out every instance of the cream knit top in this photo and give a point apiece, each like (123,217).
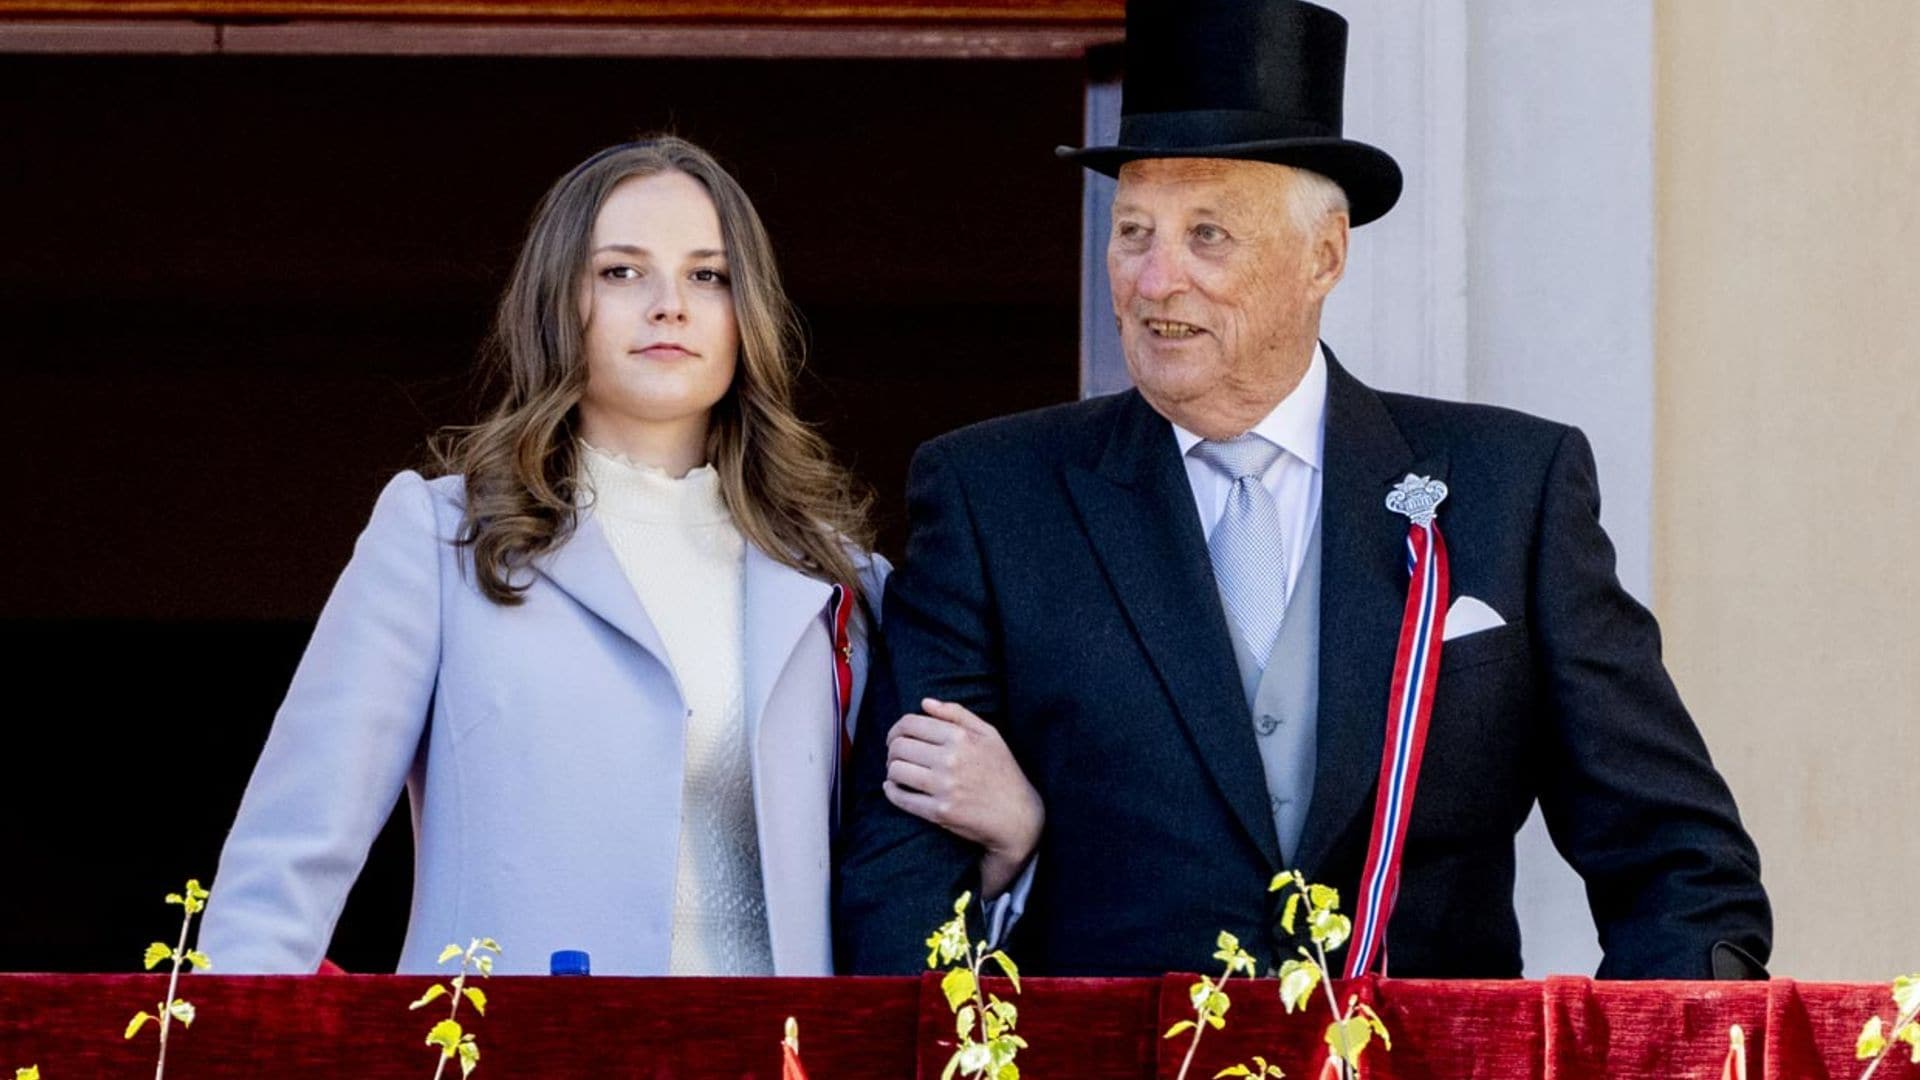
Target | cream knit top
(680,549)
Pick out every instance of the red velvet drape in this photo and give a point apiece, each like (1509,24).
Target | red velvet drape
(852,1028)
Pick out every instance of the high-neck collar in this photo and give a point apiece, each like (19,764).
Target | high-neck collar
(623,488)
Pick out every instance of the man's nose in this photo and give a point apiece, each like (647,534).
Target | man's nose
(1163,271)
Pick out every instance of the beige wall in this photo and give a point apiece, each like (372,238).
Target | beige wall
(1787,460)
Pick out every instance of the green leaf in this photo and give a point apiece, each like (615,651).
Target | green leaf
(434,993)
(1328,930)
(1348,1038)
(448,953)
(194,891)
(491,946)
(1182,1026)
(958,986)
(1227,944)
(139,1021)
(182,1011)
(485,964)
(1379,1026)
(1287,913)
(478,998)
(1239,961)
(1009,1071)
(469,1056)
(1233,1070)
(960,905)
(948,943)
(1871,1041)
(975,1058)
(1298,980)
(1906,994)
(1323,897)
(445,1035)
(200,961)
(1908,1033)
(963,1021)
(1004,1011)
(175,898)
(31,1072)
(157,952)
(953,1066)
(1007,968)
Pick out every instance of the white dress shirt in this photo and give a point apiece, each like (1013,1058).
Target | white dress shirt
(1298,426)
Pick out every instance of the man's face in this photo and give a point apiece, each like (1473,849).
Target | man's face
(1216,287)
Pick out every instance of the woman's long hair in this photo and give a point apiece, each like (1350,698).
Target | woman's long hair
(777,476)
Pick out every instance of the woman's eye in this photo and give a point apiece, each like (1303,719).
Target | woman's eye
(621,273)
(1209,234)
(707,275)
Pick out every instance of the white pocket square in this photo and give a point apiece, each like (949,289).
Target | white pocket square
(1469,616)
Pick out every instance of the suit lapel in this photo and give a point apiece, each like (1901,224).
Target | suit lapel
(586,569)
(1363,591)
(1138,512)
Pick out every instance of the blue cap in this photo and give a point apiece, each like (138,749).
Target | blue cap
(570,962)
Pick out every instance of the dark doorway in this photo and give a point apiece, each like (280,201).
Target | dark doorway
(236,293)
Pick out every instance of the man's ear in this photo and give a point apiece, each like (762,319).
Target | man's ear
(1328,258)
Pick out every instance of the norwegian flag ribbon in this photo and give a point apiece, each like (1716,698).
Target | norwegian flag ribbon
(839,616)
(1416,668)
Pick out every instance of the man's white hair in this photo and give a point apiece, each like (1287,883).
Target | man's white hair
(1312,197)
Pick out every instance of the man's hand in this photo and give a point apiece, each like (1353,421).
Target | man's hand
(952,768)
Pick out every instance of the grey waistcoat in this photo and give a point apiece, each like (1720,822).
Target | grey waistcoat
(1285,703)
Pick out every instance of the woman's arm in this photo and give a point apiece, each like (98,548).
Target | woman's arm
(342,744)
(948,766)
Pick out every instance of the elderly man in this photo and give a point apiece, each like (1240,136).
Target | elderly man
(1188,608)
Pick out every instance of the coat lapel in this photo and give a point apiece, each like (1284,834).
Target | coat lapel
(1363,591)
(781,603)
(793,745)
(1138,512)
(586,569)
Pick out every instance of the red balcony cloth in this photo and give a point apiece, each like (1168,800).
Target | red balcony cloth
(890,1029)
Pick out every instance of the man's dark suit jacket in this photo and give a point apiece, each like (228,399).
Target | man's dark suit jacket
(1057,583)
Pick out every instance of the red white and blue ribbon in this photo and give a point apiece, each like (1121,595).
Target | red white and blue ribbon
(839,619)
(1416,668)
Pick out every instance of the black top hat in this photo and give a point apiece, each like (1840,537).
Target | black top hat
(1259,80)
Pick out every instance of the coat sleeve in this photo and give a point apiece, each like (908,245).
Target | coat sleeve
(898,875)
(340,750)
(1630,795)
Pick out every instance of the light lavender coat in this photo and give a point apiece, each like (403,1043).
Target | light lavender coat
(541,746)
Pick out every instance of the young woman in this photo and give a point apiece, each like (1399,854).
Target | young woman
(612,650)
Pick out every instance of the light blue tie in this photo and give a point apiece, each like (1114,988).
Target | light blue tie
(1249,554)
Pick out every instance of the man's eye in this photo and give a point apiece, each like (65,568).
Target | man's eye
(1128,230)
(1209,234)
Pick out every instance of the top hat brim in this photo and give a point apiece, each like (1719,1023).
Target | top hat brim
(1369,176)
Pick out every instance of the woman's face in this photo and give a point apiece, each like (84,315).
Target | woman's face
(657,307)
